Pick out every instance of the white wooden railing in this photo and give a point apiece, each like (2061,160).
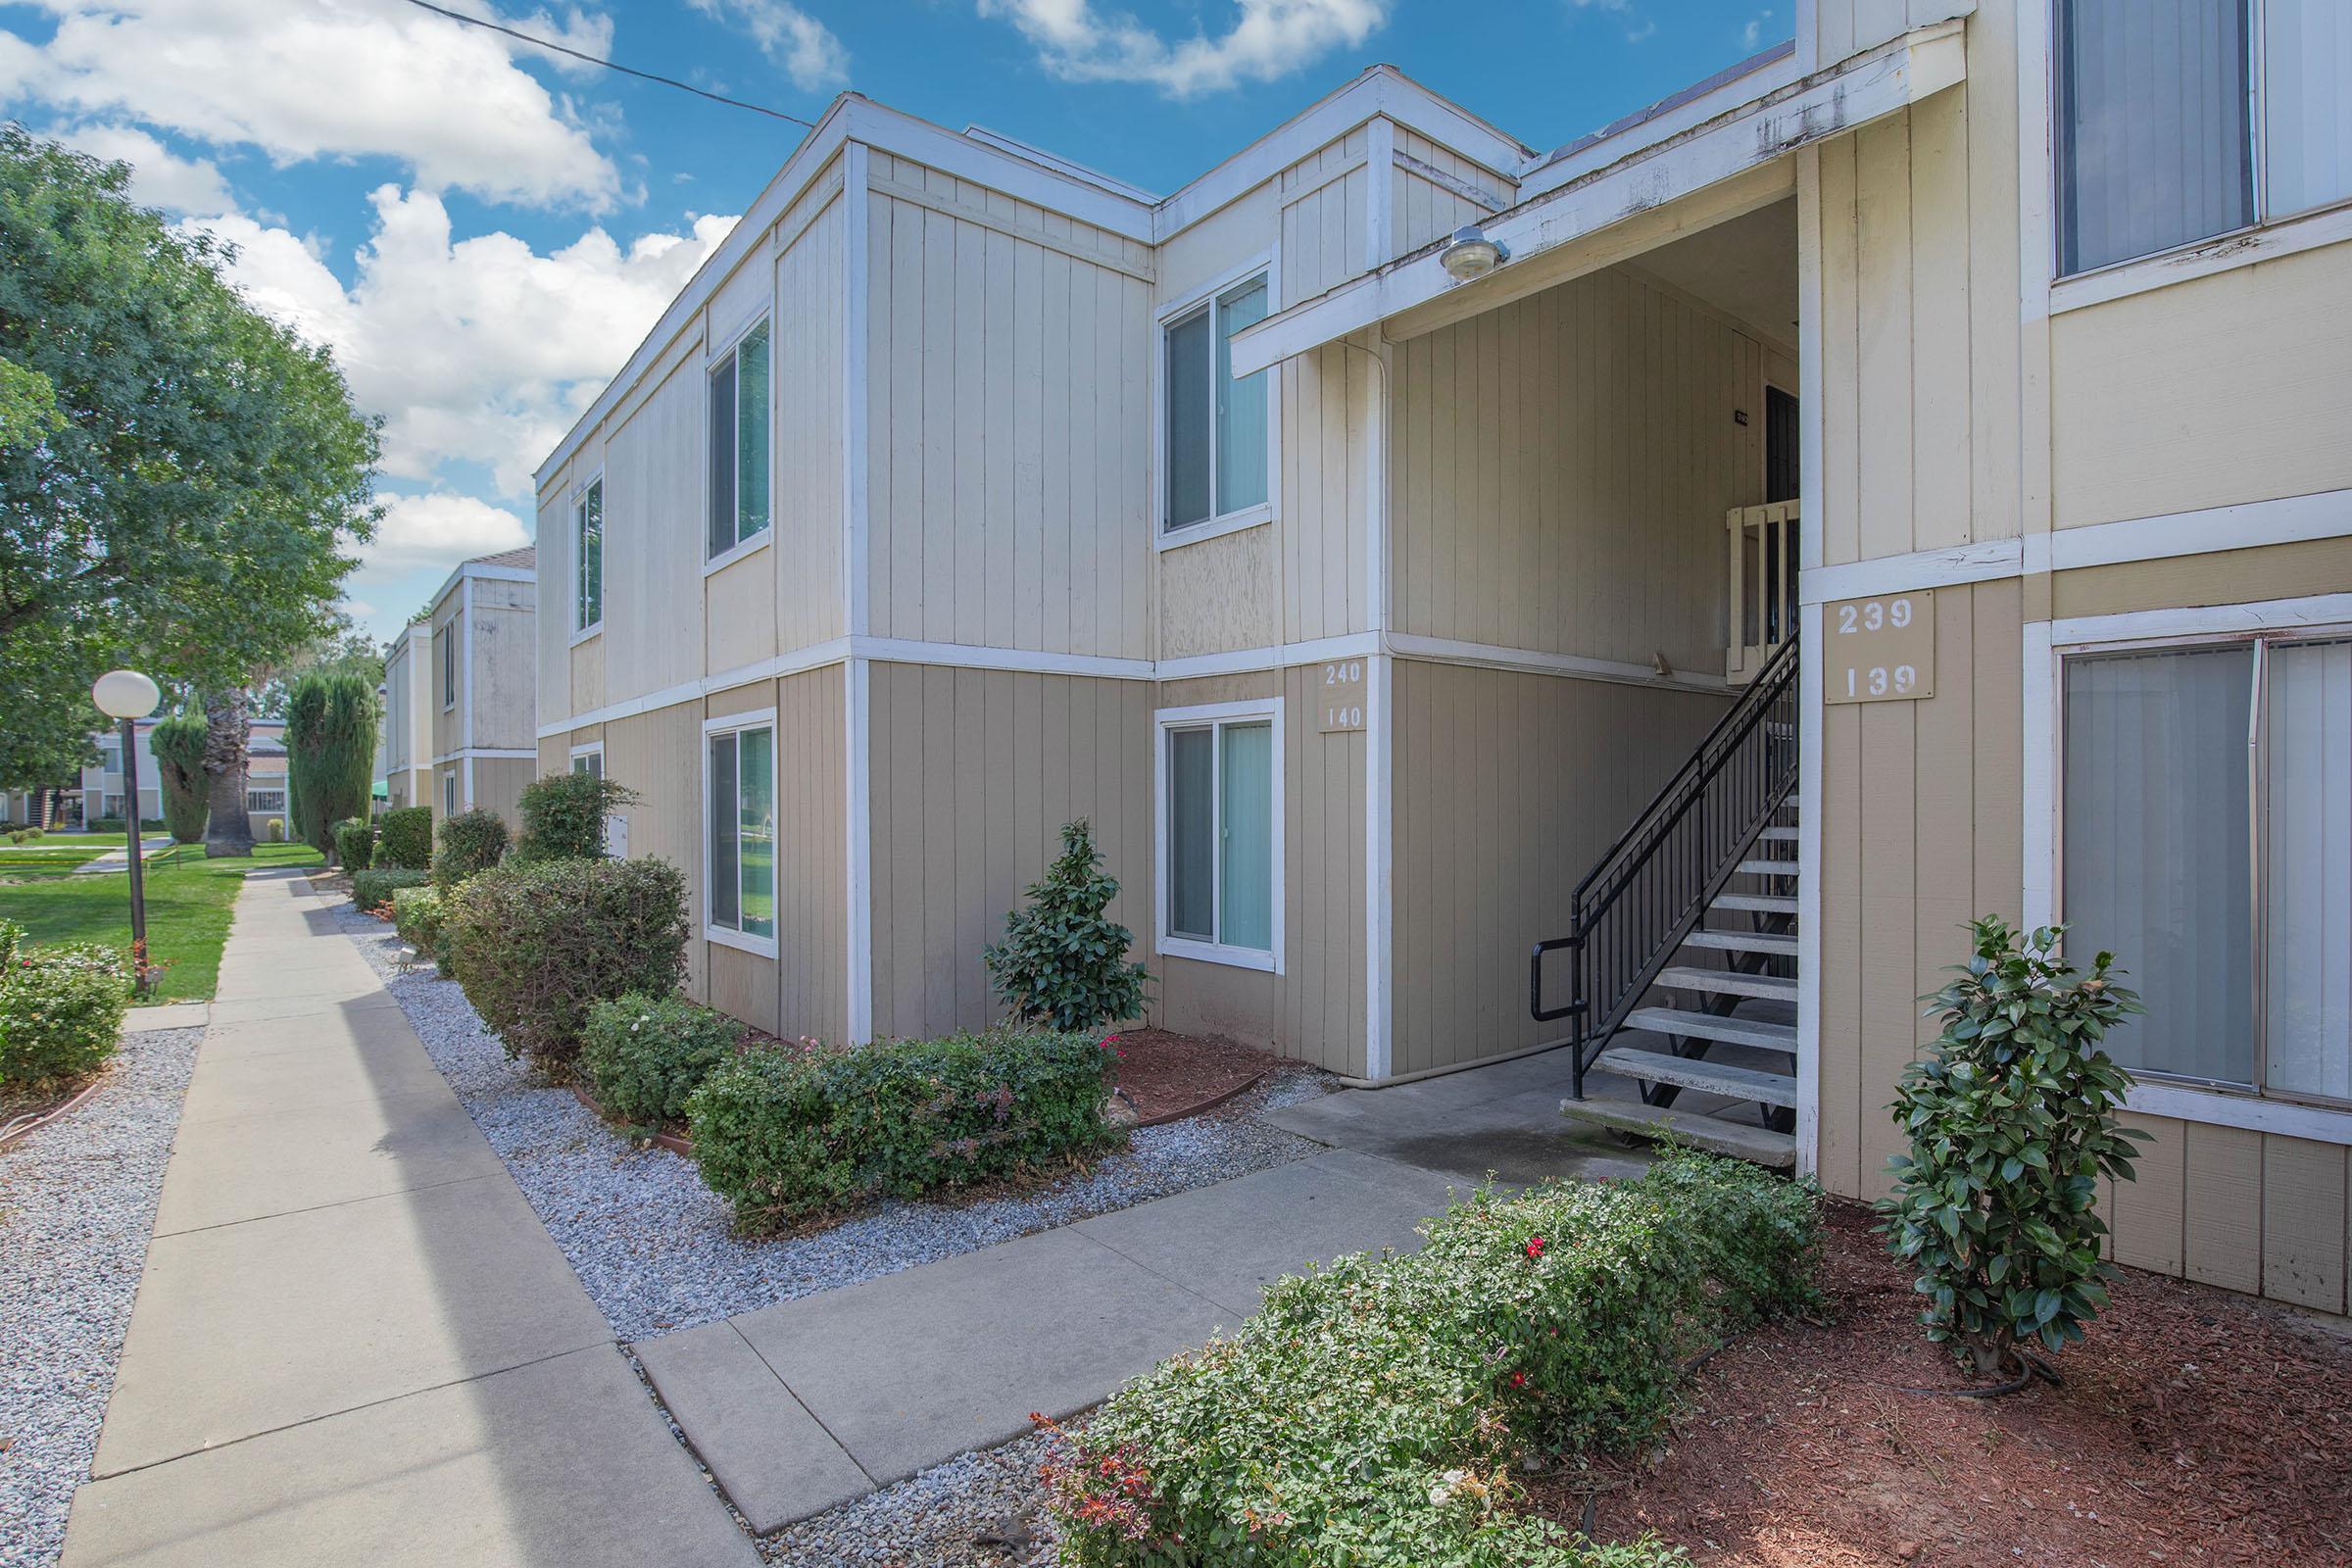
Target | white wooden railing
(1763,585)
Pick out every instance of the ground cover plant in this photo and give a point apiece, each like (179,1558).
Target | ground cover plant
(788,1137)
(61,1009)
(644,1055)
(189,899)
(405,838)
(1063,962)
(535,945)
(468,843)
(1379,1413)
(2011,1118)
(563,816)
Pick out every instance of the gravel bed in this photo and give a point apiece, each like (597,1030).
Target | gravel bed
(77,1203)
(934,1519)
(651,1242)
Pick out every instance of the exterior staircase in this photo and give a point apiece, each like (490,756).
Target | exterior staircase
(1682,964)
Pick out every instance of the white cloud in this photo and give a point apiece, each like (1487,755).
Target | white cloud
(804,46)
(479,350)
(331,78)
(439,529)
(1752,36)
(1637,26)
(159,178)
(1269,39)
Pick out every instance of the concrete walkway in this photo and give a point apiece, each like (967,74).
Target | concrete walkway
(119,858)
(355,1342)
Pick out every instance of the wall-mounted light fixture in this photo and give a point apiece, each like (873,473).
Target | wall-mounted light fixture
(1470,254)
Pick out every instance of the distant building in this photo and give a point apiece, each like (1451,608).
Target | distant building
(479,686)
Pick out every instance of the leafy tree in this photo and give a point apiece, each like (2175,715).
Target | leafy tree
(330,753)
(1063,962)
(176,469)
(2011,1117)
(178,747)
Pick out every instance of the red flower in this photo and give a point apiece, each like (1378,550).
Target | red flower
(1518,1380)
(1535,1246)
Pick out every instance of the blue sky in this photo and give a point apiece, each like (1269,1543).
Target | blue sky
(482,231)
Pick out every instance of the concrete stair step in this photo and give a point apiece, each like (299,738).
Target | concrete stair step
(1707,1026)
(1759,1144)
(1694,1072)
(1767,867)
(1742,942)
(1780,834)
(1755,902)
(1727,982)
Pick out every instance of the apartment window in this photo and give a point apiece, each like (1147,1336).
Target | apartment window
(1216,426)
(449,794)
(588,553)
(110,756)
(2208,842)
(1220,825)
(2182,120)
(739,425)
(589,760)
(259,801)
(740,853)
(449,665)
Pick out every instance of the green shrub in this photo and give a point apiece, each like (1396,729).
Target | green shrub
(784,1138)
(177,745)
(331,722)
(563,816)
(535,945)
(643,1057)
(11,936)
(2011,1117)
(1063,963)
(418,911)
(355,842)
(60,1010)
(405,838)
(468,843)
(373,889)
(1373,1413)
(275,831)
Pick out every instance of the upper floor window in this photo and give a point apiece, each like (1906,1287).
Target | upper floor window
(2182,120)
(449,665)
(739,402)
(588,555)
(1216,426)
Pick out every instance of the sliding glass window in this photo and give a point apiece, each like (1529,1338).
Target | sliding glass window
(1220,823)
(1215,434)
(739,443)
(741,850)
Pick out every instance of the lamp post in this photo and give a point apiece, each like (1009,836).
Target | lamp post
(128,695)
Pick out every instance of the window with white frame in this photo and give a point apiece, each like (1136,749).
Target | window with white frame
(261,800)
(449,665)
(449,794)
(588,557)
(739,768)
(1220,826)
(738,437)
(2182,120)
(1214,432)
(2207,830)
(589,760)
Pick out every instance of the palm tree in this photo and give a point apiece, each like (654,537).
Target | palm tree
(227,730)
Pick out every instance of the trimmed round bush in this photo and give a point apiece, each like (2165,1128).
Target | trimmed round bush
(355,842)
(563,816)
(405,838)
(644,1055)
(788,1137)
(536,945)
(468,843)
(373,889)
(277,831)
(1377,1412)
(60,1010)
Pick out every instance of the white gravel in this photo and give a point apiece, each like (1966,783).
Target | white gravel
(935,1519)
(651,1242)
(77,1203)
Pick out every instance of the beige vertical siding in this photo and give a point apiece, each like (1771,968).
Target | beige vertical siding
(812,325)
(1847,27)
(500,646)
(974,774)
(498,783)
(659,755)
(1560,471)
(653,465)
(1510,786)
(1009,375)
(739,620)
(812,964)
(1423,209)
(555,658)
(1320,496)
(1326,217)
(2219,390)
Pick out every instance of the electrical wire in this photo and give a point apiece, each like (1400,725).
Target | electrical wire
(609,65)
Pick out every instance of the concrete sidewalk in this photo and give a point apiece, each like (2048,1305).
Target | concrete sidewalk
(354,1340)
(119,858)
(803,1405)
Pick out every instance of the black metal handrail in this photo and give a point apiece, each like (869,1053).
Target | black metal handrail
(1651,889)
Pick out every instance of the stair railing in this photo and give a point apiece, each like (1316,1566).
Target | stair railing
(1652,887)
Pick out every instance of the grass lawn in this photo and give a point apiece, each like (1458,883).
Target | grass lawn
(48,860)
(188,899)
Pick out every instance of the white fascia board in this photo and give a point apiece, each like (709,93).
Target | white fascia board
(1743,83)
(986,163)
(483,571)
(1381,90)
(1830,103)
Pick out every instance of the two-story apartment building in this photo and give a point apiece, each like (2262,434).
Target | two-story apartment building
(475,748)
(1901,477)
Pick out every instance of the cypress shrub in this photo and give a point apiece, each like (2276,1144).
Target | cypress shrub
(468,843)
(563,816)
(178,747)
(330,753)
(405,838)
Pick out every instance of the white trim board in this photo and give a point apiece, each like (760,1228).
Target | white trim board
(488,754)
(2263,242)
(2285,1117)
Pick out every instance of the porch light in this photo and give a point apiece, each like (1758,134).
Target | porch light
(1470,254)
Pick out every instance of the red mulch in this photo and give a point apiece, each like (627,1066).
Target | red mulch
(1167,1075)
(2194,1426)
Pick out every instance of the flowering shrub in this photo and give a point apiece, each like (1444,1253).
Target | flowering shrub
(787,1137)
(418,915)
(643,1056)
(61,1009)
(373,889)
(535,945)
(468,842)
(1375,1412)
(405,838)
